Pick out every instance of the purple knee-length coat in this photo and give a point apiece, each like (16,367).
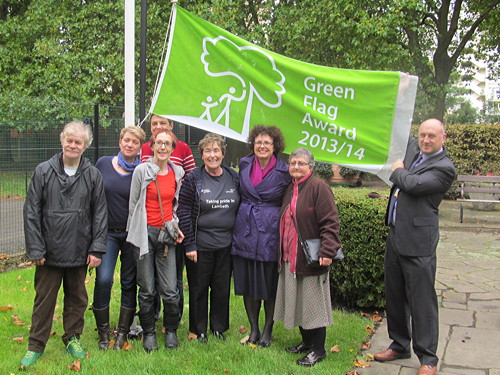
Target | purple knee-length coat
(255,233)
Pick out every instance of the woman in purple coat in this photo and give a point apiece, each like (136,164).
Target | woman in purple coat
(263,180)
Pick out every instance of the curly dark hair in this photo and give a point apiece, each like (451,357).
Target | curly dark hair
(273,131)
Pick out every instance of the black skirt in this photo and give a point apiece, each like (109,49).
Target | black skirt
(254,278)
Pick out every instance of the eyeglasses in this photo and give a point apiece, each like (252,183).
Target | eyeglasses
(160,144)
(299,164)
(266,144)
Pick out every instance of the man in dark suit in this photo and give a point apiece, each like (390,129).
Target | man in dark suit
(420,181)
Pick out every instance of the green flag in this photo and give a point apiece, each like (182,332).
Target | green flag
(218,82)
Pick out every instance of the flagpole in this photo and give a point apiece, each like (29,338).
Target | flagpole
(129,62)
(142,62)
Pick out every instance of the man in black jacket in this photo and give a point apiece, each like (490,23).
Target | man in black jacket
(65,225)
(420,182)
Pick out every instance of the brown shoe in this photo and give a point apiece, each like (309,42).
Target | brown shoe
(427,370)
(390,355)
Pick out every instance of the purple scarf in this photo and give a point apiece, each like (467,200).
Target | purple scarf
(257,174)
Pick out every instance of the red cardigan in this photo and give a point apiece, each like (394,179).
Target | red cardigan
(317,217)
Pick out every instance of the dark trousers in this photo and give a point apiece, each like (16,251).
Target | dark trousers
(156,274)
(47,284)
(179,260)
(116,244)
(212,271)
(409,291)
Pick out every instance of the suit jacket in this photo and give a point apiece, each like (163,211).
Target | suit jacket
(421,193)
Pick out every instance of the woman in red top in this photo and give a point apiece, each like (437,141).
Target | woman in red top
(156,268)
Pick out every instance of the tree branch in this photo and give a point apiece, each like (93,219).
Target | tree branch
(470,33)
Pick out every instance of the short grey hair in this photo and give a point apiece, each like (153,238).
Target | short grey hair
(210,138)
(77,128)
(305,153)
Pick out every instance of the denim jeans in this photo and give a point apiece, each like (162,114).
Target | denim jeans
(157,273)
(116,243)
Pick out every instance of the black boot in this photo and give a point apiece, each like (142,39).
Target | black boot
(148,323)
(171,323)
(124,322)
(102,323)
(171,340)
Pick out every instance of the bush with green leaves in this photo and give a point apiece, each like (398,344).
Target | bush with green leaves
(473,148)
(358,280)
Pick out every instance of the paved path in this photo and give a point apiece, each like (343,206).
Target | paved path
(11,226)
(468,288)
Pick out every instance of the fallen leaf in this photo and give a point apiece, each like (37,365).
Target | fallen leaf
(76,366)
(163,330)
(361,363)
(368,329)
(24,289)
(111,344)
(335,349)
(17,321)
(370,357)
(243,329)
(376,318)
(226,371)
(366,345)
(127,346)
(19,277)
(18,339)
(53,333)
(87,281)
(354,372)
(365,314)
(6,308)
(192,336)
(56,316)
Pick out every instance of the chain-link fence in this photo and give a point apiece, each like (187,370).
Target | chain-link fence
(22,148)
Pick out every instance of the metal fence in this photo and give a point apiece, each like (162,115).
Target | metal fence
(22,148)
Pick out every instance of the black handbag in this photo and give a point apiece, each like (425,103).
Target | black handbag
(311,249)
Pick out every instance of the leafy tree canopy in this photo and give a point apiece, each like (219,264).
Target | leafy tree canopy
(71,51)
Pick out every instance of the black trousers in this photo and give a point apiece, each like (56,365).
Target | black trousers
(211,272)
(409,291)
(47,284)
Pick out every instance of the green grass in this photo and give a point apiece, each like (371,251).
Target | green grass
(217,357)
(13,184)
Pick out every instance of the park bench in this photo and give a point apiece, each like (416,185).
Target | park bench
(477,184)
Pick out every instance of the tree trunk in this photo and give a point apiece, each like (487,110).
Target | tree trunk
(439,104)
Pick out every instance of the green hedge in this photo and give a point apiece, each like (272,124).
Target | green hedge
(473,148)
(358,281)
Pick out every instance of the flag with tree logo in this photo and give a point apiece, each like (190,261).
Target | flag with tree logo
(218,82)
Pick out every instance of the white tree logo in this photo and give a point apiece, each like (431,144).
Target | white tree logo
(238,87)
